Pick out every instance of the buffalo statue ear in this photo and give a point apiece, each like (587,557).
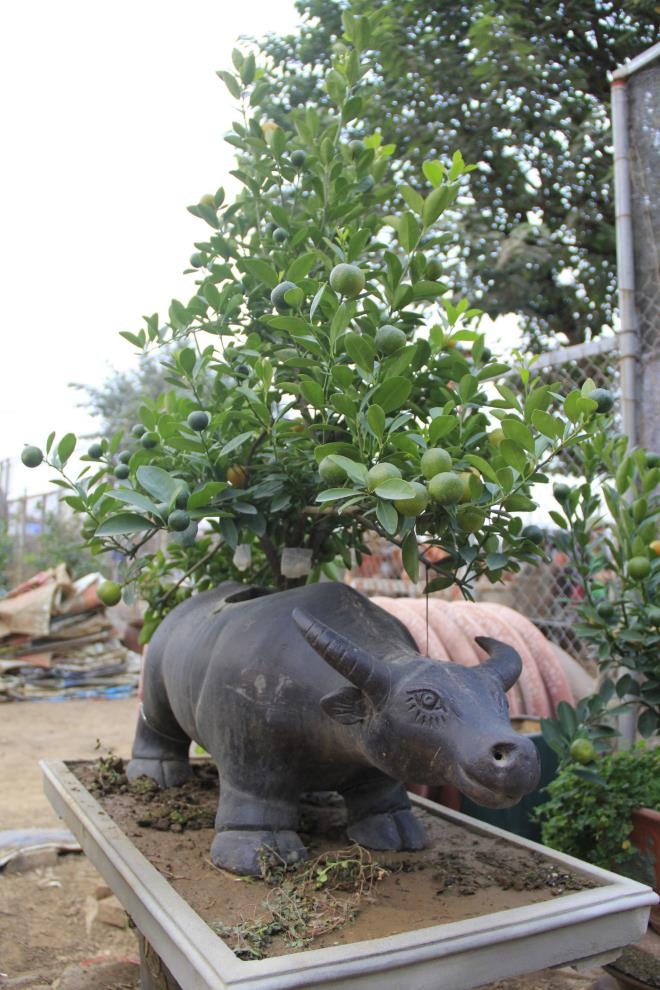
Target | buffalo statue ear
(503,660)
(347,705)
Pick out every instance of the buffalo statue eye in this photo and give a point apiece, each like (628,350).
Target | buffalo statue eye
(427,699)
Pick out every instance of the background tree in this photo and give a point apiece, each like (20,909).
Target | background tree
(521,88)
(116,402)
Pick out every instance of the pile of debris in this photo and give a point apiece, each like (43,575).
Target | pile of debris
(57,642)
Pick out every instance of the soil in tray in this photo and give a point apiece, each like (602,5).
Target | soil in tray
(342,893)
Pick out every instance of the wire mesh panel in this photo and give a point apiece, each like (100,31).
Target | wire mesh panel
(644,139)
(569,368)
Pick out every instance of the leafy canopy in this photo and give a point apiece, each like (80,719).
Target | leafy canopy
(318,358)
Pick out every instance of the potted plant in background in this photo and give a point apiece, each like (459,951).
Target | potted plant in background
(323,383)
(604,805)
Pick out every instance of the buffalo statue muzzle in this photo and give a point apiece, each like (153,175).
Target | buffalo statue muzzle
(319,689)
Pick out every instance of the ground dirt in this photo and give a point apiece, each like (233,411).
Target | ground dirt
(47,936)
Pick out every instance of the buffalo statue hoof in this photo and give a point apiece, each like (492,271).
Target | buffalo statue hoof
(395,830)
(248,852)
(166,773)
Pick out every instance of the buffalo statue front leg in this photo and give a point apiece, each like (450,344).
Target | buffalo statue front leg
(253,831)
(379,814)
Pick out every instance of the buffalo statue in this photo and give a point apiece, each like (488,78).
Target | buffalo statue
(317,689)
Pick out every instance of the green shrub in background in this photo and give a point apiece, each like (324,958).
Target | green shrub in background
(588,811)
(318,360)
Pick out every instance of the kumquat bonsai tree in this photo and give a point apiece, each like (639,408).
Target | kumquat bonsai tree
(324,382)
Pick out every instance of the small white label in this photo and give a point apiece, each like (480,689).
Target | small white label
(296,562)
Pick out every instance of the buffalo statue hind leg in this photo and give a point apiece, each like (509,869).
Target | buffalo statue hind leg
(380,816)
(253,831)
(161,756)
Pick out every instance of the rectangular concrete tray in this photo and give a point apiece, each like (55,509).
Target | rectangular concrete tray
(588,928)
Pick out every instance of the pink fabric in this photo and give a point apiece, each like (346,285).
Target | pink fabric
(553,676)
(534,695)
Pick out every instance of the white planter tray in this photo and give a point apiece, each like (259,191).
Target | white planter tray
(586,928)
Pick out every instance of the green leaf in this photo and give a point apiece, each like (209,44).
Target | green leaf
(334,494)
(513,455)
(316,300)
(567,719)
(547,424)
(340,321)
(647,723)
(65,448)
(261,270)
(360,350)
(441,427)
(393,488)
(204,496)
(439,583)
(410,556)
(376,420)
(391,394)
(337,447)
(236,442)
(572,405)
(230,82)
(158,483)
(413,199)
(123,524)
(344,405)
(428,290)
(520,434)
(493,370)
(302,266)
(356,472)
(178,315)
(387,516)
(342,376)
(434,172)
(438,200)
(132,497)
(137,340)
(229,532)
(408,231)
(483,466)
(187,359)
(519,503)
(553,736)
(539,398)
(352,108)
(248,70)
(496,561)
(312,392)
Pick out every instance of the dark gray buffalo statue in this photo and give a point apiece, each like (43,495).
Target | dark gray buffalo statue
(317,689)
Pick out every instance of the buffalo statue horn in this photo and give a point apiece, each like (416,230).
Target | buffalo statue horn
(348,659)
(503,659)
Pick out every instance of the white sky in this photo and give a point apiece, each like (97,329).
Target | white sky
(112,119)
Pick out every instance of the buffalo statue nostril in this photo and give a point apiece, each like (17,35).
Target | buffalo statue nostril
(503,752)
